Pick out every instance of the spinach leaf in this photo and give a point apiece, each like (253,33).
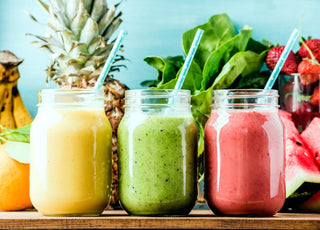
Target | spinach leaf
(19,151)
(257,47)
(167,67)
(242,63)
(17,142)
(150,83)
(18,135)
(192,81)
(217,30)
(255,80)
(201,102)
(223,54)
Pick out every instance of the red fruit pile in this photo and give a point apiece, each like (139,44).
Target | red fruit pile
(300,94)
(314,46)
(290,66)
(309,54)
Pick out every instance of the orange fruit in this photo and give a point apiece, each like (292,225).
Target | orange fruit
(14,183)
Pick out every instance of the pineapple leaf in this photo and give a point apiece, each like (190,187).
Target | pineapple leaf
(56,21)
(79,20)
(50,48)
(79,52)
(87,69)
(45,6)
(68,39)
(89,32)
(32,17)
(59,17)
(103,51)
(48,42)
(72,8)
(87,5)
(35,20)
(119,66)
(58,5)
(98,42)
(44,39)
(113,27)
(96,61)
(99,8)
(107,19)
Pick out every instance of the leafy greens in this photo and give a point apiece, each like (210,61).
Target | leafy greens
(17,142)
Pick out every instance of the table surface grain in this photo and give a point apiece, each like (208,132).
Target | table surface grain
(118,219)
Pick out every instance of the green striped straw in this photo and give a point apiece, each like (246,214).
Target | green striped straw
(190,56)
(282,59)
(111,57)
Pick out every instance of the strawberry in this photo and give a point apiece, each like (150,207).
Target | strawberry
(306,79)
(308,66)
(290,66)
(315,98)
(314,46)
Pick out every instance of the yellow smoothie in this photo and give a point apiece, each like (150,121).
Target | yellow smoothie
(71,161)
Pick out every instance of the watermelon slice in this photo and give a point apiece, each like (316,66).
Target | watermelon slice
(301,172)
(300,165)
(311,136)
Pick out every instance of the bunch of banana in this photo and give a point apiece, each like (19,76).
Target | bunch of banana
(13,113)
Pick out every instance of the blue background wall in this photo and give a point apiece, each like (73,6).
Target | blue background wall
(154,28)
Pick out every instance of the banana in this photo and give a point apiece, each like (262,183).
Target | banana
(20,113)
(2,91)
(6,115)
(13,113)
(3,87)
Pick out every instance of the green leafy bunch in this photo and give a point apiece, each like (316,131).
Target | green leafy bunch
(223,60)
(17,142)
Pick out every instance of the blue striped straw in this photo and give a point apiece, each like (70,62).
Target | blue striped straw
(282,59)
(188,61)
(111,57)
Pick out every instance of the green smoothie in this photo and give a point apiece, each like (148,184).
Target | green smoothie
(157,164)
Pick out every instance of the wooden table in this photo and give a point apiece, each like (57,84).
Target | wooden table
(118,219)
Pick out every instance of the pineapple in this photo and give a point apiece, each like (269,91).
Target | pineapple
(78,39)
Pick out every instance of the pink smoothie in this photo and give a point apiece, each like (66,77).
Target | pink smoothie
(244,164)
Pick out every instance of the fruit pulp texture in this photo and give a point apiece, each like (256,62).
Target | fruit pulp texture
(157,165)
(71,162)
(244,162)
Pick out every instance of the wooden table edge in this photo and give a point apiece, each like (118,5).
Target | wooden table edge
(118,219)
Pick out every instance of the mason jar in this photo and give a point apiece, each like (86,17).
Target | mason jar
(71,156)
(157,140)
(244,153)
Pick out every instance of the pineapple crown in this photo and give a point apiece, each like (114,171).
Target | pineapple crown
(78,38)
